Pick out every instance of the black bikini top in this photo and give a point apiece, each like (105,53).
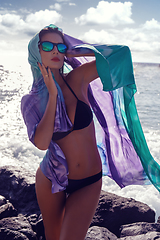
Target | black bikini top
(83,117)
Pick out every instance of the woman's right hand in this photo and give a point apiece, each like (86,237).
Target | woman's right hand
(45,127)
(48,79)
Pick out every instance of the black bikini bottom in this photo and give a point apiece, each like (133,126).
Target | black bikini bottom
(77,184)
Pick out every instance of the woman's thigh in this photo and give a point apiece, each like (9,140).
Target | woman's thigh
(51,206)
(79,211)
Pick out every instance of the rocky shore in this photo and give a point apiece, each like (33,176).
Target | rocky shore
(115,217)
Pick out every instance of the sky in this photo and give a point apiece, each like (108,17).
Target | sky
(133,23)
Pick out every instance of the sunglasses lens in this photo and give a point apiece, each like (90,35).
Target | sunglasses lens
(62,48)
(47,46)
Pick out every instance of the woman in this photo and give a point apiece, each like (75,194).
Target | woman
(67,214)
(59,118)
(68,218)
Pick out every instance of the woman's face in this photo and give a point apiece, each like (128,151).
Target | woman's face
(54,59)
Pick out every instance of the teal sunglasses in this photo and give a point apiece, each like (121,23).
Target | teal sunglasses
(49,46)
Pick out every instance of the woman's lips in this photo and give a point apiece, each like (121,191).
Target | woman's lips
(55,59)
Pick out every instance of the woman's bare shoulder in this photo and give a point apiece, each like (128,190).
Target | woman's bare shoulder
(86,72)
(72,76)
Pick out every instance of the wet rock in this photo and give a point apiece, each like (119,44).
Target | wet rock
(147,236)
(7,210)
(96,233)
(115,216)
(114,211)
(40,230)
(33,220)
(158,220)
(139,229)
(16,228)
(18,186)
(2,200)
(7,234)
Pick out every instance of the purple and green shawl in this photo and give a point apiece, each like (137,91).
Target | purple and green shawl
(120,139)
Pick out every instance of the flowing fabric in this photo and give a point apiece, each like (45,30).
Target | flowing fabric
(120,139)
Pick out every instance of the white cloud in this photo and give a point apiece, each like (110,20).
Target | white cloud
(113,14)
(152,24)
(10,20)
(15,25)
(62,0)
(98,37)
(137,39)
(42,18)
(72,4)
(4,44)
(142,42)
(11,23)
(56,6)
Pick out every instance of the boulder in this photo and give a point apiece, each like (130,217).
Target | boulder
(40,230)
(96,233)
(7,210)
(7,234)
(140,228)
(158,220)
(33,220)
(21,219)
(16,228)
(2,200)
(114,211)
(18,186)
(147,236)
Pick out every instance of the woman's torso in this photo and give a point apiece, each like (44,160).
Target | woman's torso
(79,147)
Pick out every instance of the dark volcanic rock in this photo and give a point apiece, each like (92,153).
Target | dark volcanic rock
(7,210)
(16,228)
(95,233)
(18,186)
(158,220)
(2,200)
(139,228)
(115,216)
(147,236)
(33,220)
(7,234)
(114,211)
(40,230)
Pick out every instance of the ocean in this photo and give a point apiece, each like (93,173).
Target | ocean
(15,148)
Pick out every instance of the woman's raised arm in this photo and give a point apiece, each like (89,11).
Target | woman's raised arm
(44,130)
(87,71)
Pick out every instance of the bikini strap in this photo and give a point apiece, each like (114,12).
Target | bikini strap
(70,87)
